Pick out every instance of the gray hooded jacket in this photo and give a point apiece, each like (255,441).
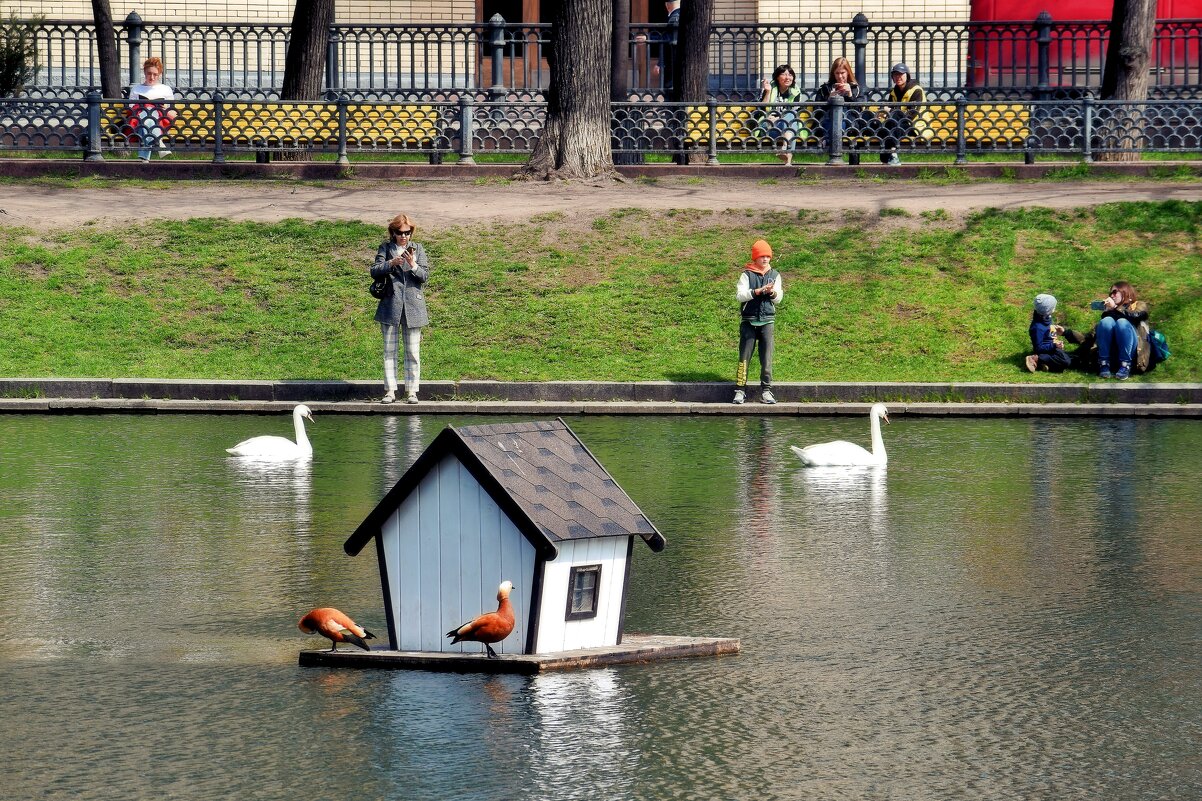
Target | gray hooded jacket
(407,305)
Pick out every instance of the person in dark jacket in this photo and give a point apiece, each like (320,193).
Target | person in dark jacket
(758,291)
(898,123)
(1045,338)
(1118,333)
(402,313)
(842,83)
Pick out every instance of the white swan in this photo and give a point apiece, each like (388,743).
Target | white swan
(270,447)
(840,453)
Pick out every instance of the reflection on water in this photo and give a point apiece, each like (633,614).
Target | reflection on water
(1009,611)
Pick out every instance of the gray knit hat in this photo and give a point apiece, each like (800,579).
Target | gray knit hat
(899,68)
(1045,304)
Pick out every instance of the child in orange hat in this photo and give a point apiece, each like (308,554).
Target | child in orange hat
(758,290)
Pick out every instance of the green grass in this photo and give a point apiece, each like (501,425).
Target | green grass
(628,295)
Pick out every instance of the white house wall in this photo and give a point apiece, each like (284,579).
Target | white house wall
(557,634)
(446,549)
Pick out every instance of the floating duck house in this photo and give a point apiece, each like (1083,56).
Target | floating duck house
(523,502)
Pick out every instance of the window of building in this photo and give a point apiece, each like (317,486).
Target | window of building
(584,584)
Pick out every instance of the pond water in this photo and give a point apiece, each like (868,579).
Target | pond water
(1012,610)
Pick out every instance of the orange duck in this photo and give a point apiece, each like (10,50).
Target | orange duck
(490,627)
(336,627)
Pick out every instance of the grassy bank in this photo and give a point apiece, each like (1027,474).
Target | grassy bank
(632,295)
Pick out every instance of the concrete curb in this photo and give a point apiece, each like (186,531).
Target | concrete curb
(200,168)
(95,395)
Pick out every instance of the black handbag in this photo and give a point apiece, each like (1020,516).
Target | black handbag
(381,287)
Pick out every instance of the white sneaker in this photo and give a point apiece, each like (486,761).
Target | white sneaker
(740,396)
(164,153)
(894,160)
(411,397)
(389,397)
(767,397)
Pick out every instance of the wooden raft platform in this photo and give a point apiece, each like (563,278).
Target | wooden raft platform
(634,648)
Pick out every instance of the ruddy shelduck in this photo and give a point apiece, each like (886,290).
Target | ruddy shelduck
(336,627)
(490,627)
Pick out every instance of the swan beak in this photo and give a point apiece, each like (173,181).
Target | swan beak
(885,417)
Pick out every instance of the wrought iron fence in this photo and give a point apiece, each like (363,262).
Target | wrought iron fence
(217,128)
(1043,58)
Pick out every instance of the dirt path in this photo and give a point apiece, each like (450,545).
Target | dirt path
(448,203)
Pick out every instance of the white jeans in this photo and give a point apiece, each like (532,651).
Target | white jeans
(411,341)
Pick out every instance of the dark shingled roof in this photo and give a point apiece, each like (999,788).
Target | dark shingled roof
(541,476)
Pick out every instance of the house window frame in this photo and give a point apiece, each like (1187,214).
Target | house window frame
(575,571)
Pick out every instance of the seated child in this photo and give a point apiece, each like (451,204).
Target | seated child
(1045,338)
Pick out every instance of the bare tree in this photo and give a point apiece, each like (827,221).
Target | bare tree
(692,68)
(1128,59)
(305,60)
(304,63)
(575,140)
(111,84)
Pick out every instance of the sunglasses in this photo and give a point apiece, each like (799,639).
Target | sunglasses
(403,233)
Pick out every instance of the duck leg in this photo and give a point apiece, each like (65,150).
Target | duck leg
(491,653)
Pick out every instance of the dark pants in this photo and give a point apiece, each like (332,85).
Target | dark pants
(749,335)
(1056,362)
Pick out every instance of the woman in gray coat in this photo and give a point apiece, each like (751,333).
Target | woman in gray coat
(402,314)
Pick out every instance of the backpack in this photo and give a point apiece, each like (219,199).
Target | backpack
(1160,346)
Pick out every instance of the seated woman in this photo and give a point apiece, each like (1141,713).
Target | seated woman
(780,117)
(898,122)
(842,83)
(150,115)
(1121,335)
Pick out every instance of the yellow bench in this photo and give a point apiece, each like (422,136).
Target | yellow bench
(283,125)
(985,124)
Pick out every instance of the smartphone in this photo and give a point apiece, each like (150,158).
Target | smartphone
(1098,305)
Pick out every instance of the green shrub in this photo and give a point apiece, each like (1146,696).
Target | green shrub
(18,53)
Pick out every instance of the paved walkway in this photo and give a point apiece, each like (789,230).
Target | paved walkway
(447,202)
(548,399)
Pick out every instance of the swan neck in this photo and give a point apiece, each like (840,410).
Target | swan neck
(302,439)
(878,442)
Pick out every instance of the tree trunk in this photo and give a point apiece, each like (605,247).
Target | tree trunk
(575,140)
(1128,60)
(692,67)
(111,84)
(626,126)
(305,60)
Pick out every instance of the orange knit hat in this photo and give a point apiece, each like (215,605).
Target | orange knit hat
(760,248)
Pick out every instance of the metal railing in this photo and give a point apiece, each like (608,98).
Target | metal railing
(1043,58)
(217,128)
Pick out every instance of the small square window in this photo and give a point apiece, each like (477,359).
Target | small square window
(584,584)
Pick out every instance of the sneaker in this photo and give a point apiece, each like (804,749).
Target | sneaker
(1124,371)
(164,153)
(740,396)
(144,159)
(411,397)
(893,160)
(1104,372)
(389,397)
(1032,362)
(767,397)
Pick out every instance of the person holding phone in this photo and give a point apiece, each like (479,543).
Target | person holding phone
(841,83)
(402,313)
(779,118)
(1121,334)
(758,291)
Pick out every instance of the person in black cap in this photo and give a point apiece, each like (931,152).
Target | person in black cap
(898,123)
